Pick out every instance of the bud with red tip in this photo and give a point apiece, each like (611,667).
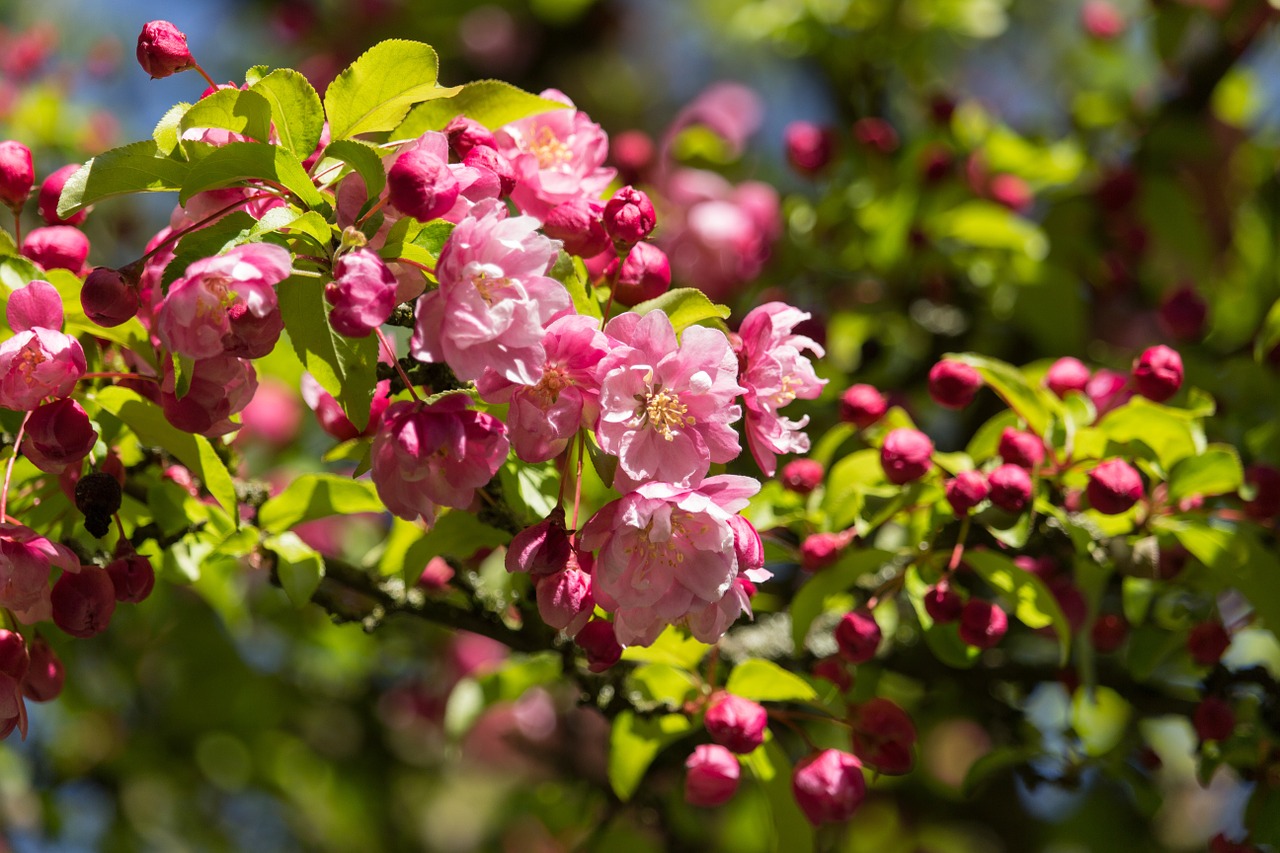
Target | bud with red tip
(982,624)
(488,159)
(1157,374)
(109,297)
(83,601)
(644,275)
(420,185)
(809,146)
(820,550)
(712,776)
(1183,313)
(1067,374)
(132,577)
(51,191)
(565,600)
(1213,719)
(57,247)
(1265,481)
(1020,448)
(862,406)
(58,434)
(1011,488)
(883,736)
(466,134)
(1208,642)
(748,548)
(600,643)
(802,476)
(858,636)
(576,223)
(966,490)
(828,786)
(906,455)
(542,549)
(735,723)
(363,293)
(629,217)
(162,50)
(45,674)
(943,603)
(1114,487)
(17,174)
(953,384)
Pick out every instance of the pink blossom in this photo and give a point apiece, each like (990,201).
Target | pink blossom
(667,555)
(57,247)
(220,387)
(494,299)
(666,406)
(25,561)
(435,454)
(776,372)
(557,155)
(226,304)
(543,418)
(363,293)
(58,434)
(38,361)
(564,599)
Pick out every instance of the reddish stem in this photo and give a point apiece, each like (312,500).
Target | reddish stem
(203,73)
(391,353)
(8,468)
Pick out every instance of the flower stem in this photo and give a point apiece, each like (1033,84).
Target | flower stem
(391,353)
(577,489)
(203,73)
(958,551)
(17,226)
(8,468)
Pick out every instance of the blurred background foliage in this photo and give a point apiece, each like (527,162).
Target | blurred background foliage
(1005,182)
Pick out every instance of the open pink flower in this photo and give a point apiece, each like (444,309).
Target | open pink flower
(776,372)
(220,387)
(667,554)
(435,454)
(557,156)
(226,304)
(38,361)
(362,293)
(494,300)
(665,405)
(543,418)
(25,561)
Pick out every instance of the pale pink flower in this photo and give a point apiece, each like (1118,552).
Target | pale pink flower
(38,361)
(435,454)
(25,562)
(220,387)
(494,301)
(226,304)
(666,406)
(776,372)
(543,418)
(667,554)
(557,156)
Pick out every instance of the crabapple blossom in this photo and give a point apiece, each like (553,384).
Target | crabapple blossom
(15,660)
(735,723)
(862,406)
(906,455)
(644,274)
(464,134)
(953,384)
(1020,448)
(775,372)
(809,146)
(13,711)
(982,624)
(828,786)
(1107,389)
(1183,313)
(1011,487)
(58,434)
(542,549)
(577,224)
(51,191)
(132,577)
(226,304)
(435,454)
(564,598)
(17,175)
(45,674)
(819,550)
(543,418)
(220,387)
(38,361)
(711,777)
(883,736)
(1208,642)
(420,184)
(494,301)
(25,562)
(362,293)
(629,217)
(1108,632)
(488,167)
(1213,719)
(876,134)
(108,297)
(858,636)
(83,601)
(802,476)
(1157,373)
(1114,487)
(966,490)
(57,247)
(598,640)
(162,50)
(943,603)
(1067,374)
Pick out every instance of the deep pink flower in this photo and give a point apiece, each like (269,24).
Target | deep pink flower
(666,405)
(982,624)
(494,301)
(542,549)
(775,373)
(819,550)
(1114,487)
(38,361)
(943,603)
(220,387)
(435,454)
(1157,373)
(564,599)
(577,224)
(465,134)
(598,640)
(333,419)
(16,173)
(667,553)
(557,155)
(363,293)
(1102,20)
(1024,449)
(906,455)
(711,777)
(45,675)
(862,405)
(544,418)
(162,50)
(802,476)
(57,247)
(735,723)
(1067,374)
(226,304)
(58,434)
(1011,487)
(488,164)
(83,601)
(953,384)
(51,191)
(644,274)
(966,490)
(828,786)
(420,184)
(883,736)
(809,146)
(273,416)
(25,561)
(858,636)
(109,298)
(132,577)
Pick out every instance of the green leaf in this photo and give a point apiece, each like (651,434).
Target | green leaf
(847,482)
(295,109)
(1034,604)
(139,167)
(810,602)
(990,226)
(455,534)
(207,242)
(166,130)
(244,112)
(1168,432)
(345,367)
(374,92)
(148,422)
(674,646)
(685,306)
(1099,716)
(313,496)
(493,103)
(1238,559)
(1033,404)
(765,681)
(299,566)
(663,684)
(635,742)
(570,272)
(364,158)
(992,764)
(1217,471)
(792,829)
(237,162)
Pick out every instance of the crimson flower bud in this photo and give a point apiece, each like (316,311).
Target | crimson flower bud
(1024,449)
(132,577)
(1213,719)
(543,549)
(953,384)
(362,293)
(802,476)
(51,191)
(1157,373)
(943,603)
(862,406)
(828,786)
(644,275)
(1208,642)
(162,50)
(420,185)
(820,550)
(966,490)
(1183,313)
(835,670)
(58,434)
(45,675)
(600,643)
(858,636)
(747,547)
(1067,374)
(1012,192)
(436,574)
(906,456)
(465,134)
(1102,20)
(565,601)
(1114,487)
(712,776)
(108,297)
(1266,495)
(1108,632)
(1011,488)
(487,158)
(982,624)
(576,223)
(883,736)
(629,217)
(735,723)
(876,133)
(59,247)
(83,601)
(809,146)
(16,173)
(15,660)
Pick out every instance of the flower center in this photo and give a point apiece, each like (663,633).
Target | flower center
(786,394)
(554,380)
(549,149)
(488,279)
(663,411)
(29,358)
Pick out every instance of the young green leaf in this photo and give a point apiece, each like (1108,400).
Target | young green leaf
(374,92)
(313,496)
(295,109)
(135,168)
(492,103)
